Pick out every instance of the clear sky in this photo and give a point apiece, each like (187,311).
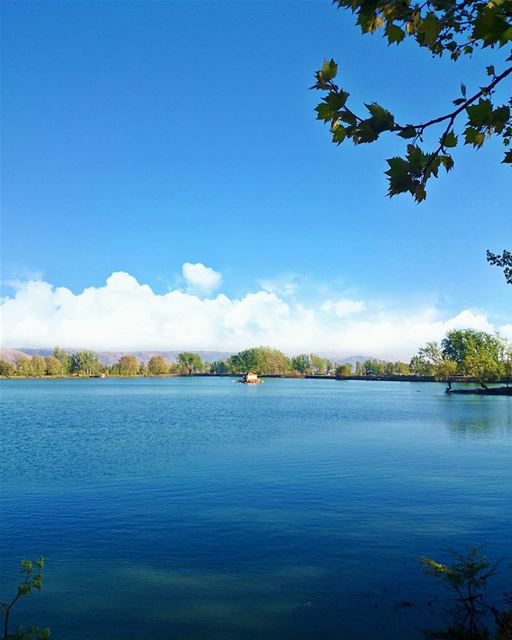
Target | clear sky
(140,136)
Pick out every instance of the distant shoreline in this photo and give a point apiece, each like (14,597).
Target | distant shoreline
(365,378)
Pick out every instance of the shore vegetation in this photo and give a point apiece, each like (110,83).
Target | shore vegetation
(463,354)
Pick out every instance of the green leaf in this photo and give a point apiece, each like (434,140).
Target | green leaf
(463,89)
(325,75)
(324,112)
(408,132)
(480,113)
(397,165)
(500,117)
(348,117)
(420,194)
(417,159)
(399,176)
(449,140)
(490,70)
(508,157)
(339,134)
(473,137)
(491,27)
(336,99)
(447,162)
(365,132)
(383,120)
(428,29)
(329,70)
(394,33)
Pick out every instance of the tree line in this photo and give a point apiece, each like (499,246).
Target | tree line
(470,353)
(262,360)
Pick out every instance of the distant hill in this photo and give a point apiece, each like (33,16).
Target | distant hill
(110,357)
(340,358)
(12,355)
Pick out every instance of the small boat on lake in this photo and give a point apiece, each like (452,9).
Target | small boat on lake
(250,378)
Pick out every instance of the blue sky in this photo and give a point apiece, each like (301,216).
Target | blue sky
(140,136)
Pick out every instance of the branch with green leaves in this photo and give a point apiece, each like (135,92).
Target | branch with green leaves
(504,261)
(31,580)
(442,26)
(467,577)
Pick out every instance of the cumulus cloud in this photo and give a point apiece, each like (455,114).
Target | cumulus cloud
(126,315)
(200,279)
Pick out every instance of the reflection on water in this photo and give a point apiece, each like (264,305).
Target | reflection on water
(198,509)
(482,427)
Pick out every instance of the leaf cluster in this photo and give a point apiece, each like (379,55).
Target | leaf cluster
(32,573)
(442,26)
(467,577)
(504,261)
(469,570)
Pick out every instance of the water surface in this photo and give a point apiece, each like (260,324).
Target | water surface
(196,508)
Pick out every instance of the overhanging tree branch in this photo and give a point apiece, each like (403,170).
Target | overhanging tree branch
(449,26)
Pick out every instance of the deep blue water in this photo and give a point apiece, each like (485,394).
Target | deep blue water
(196,508)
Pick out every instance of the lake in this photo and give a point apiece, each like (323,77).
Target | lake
(197,508)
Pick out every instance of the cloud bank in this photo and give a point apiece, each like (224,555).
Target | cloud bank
(126,315)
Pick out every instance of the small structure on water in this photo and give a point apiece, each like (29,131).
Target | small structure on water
(250,378)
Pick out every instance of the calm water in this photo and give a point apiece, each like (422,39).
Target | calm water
(197,508)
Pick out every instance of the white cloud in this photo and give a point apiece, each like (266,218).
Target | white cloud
(471,319)
(506,331)
(200,279)
(343,308)
(126,315)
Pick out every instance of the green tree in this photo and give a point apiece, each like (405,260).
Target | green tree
(445,369)
(262,360)
(128,365)
(85,363)
(302,363)
(420,367)
(442,27)
(53,366)
(38,366)
(24,366)
(158,366)
(7,369)
(31,580)
(219,367)
(343,370)
(320,366)
(190,362)
(401,368)
(64,359)
(360,370)
(476,353)
(432,361)
(506,363)
(373,367)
